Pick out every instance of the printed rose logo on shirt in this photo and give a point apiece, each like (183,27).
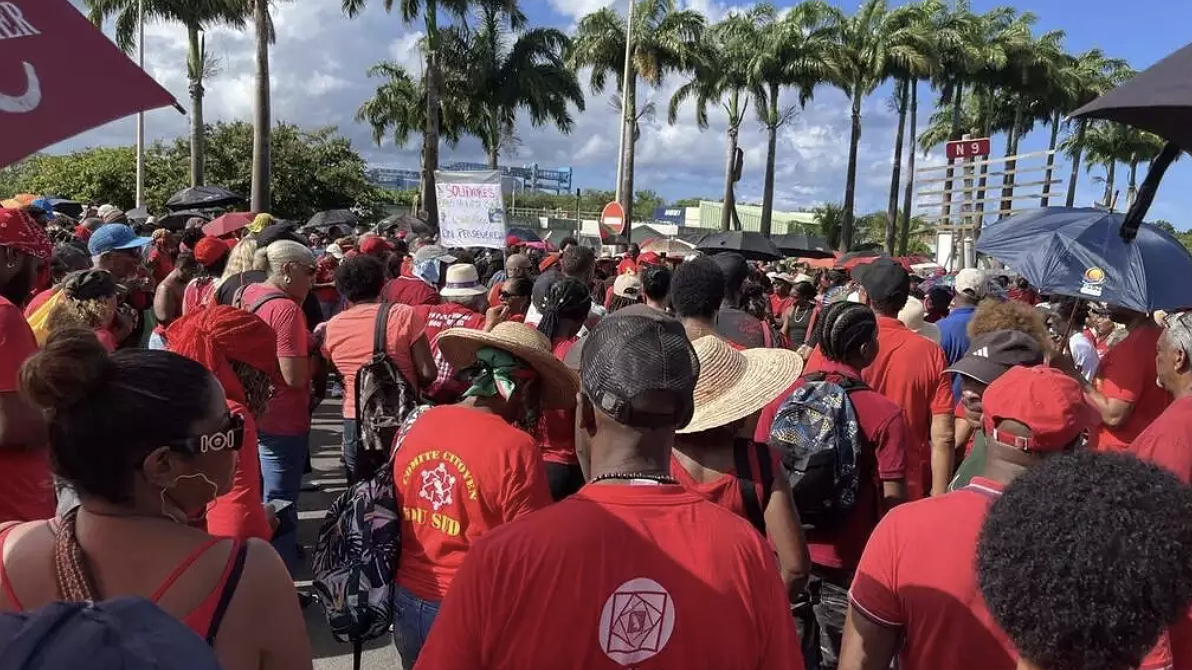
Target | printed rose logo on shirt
(439,476)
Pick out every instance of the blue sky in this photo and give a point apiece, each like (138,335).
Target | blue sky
(319,79)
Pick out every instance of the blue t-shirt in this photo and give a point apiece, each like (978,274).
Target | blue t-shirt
(954,340)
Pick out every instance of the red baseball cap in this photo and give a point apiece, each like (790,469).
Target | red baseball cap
(1048,402)
(375,246)
(648,258)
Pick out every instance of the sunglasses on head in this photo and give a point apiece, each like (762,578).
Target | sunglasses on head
(229,437)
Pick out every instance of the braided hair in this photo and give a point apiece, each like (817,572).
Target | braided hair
(843,328)
(567,299)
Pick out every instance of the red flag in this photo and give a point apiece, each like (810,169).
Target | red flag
(60,76)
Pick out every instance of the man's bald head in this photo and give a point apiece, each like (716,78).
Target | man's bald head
(518,265)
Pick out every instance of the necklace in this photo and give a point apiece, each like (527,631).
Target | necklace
(656,477)
(795,314)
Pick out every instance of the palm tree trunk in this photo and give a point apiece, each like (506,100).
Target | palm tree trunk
(909,192)
(630,122)
(1008,170)
(771,159)
(494,143)
(850,185)
(1055,133)
(430,142)
(1131,187)
(1081,127)
(262,115)
(1110,175)
(197,137)
(896,175)
(957,95)
(982,95)
(734,123)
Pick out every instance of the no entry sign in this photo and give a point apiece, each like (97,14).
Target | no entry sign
(613,217)
(968,148)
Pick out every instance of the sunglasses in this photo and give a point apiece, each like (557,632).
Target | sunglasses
(506,295)
(230,436)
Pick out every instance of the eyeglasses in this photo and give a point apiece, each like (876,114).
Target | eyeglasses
(230,436)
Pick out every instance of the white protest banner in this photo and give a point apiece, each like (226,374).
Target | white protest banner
(471,211)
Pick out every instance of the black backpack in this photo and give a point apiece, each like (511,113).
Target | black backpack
(823,449)
(384,398)
(755,503)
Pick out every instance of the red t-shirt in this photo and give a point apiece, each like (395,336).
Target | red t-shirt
(289,410)
(26,485)
(556,427)
(779,305)
(909,370)
(325,274)
(162,265)
(1127,372)
(644,586)
(198,293)
(884,427)
(494,294)
(410,291)
(1168,440)
(39,300)
(437,319)
(726,491)
(348,344)
(240,513)
(460,473)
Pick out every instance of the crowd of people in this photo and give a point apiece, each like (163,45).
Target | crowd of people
(615,461)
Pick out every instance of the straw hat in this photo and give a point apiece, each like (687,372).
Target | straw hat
(560,384)
(735,384)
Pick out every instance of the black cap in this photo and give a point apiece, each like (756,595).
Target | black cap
(885,280)
(634,351)
(990,355)
(89,285)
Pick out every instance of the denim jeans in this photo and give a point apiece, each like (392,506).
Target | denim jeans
(825,626)
(351,445)
(412,619)
(282,461)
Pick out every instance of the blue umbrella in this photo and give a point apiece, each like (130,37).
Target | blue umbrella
(1080,252)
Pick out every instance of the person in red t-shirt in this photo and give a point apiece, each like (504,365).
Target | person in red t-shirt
(781,299)
(462,306)
(349,339)
(849,343)
(464,469)
(909,369)
(241,351)
(324,287)
(26,485)
(428,272)
(915,593)
(1084,563)
(283,433)
(653,575)
(212,254)
(712,459)
(565,308)
(1124,390)
(628,264)
(163,254)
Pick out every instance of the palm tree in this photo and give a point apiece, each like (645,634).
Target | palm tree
(429,11)
(870,45)
(398,106)
(793,52)
(829,217)
(262,107)
(665,39)
(1144,147)
(1093,75)
(196,16)
(503,68)
(1106,144)
(726,79)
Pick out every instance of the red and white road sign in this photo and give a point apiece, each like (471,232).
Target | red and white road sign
(971,148)
(613,217)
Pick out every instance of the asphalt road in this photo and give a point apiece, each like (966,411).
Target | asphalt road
(312,506)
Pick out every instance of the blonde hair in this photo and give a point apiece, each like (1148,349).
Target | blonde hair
(239,260)
(273,258)
(89,314)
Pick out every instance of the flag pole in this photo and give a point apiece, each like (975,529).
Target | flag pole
(141,115)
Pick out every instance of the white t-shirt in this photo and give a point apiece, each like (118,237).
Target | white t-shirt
(1084,354)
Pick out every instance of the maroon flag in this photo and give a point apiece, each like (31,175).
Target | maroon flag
(60,76)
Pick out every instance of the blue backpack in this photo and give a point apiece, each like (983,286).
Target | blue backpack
(117,634)
(823,448)
(355,557)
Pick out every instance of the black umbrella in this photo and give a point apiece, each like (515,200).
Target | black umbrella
(334,217)
(137,214)
(403,223)
(752,245)
(68,207)
(802,245)
(204,197)
(175,221)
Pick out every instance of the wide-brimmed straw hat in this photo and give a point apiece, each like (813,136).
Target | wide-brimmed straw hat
(735,384)
(560,384)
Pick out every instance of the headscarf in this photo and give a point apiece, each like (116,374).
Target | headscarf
(498,372)
(217,335)
(19,231)
(567,298)
(259,223)
(427,271)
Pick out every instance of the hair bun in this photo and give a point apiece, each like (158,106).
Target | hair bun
(71,365)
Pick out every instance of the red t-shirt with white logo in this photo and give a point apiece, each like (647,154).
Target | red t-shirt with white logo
(438,318)
(459,473)
(629,577)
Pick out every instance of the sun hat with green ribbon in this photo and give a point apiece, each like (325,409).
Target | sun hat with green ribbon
(463,347)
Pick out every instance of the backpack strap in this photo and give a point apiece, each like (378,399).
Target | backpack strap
(749,494)
(767,336)
(229,590)
(380,329)
(264,299)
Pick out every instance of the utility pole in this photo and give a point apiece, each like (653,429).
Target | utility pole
(625,95)
(141,115)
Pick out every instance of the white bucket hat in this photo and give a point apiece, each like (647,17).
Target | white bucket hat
(462,281)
